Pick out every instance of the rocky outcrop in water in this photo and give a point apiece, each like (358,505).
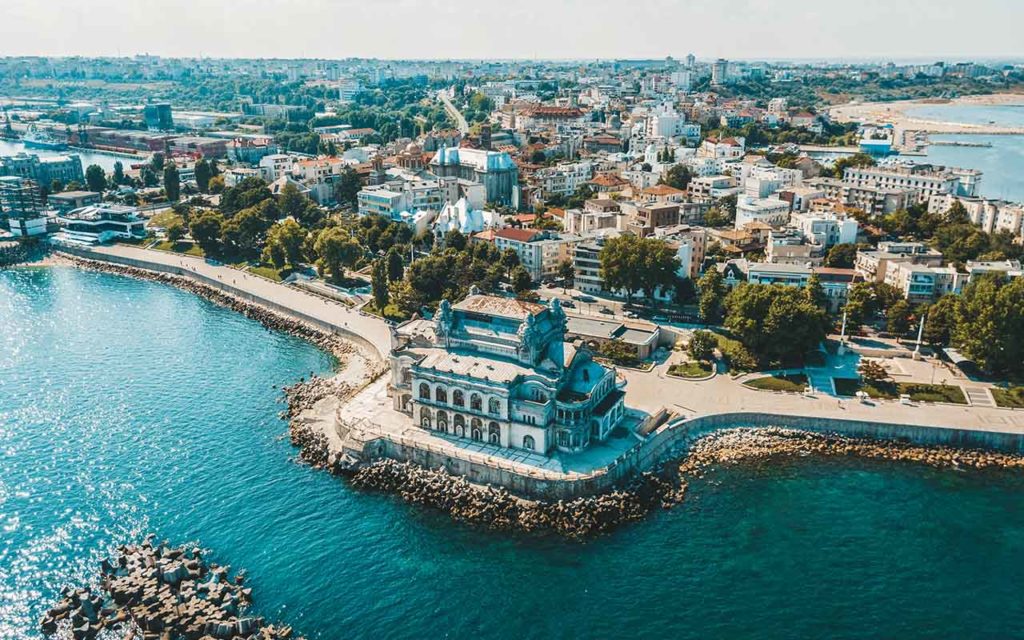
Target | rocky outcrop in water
(498,509)
(272,320)
(160,592)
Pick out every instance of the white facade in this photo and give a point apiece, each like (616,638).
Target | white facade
(771,211)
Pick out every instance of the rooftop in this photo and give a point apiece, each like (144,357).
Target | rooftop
(498,306)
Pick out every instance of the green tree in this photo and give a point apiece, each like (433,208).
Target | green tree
(379,284)
(815,292)
(244,234)
(284,244)
(989,326)
(454,239)
(841,256)
(678,177)
(509,260)
(633,264)
(203,175)
(247,193)
(96,178)
(336,251)
(897,318)
(175,230)
(521,280)
(939,320)
(205,230)
(775,322)
(347,188)
(118,177)
(566,273)
(702,345)
(712,295)
(873,372)
(172,182)
(856,160)
(395,264)
(291,201)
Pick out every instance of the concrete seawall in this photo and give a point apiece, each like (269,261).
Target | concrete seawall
(369,346)
(668,442)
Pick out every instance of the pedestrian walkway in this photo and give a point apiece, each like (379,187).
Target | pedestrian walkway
(979,397)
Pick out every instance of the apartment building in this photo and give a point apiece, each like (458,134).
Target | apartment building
(923,180)
(770,211)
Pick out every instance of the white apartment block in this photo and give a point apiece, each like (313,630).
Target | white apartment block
(770,211)
(564,178)
(921,283)
(991,216)
(923,180)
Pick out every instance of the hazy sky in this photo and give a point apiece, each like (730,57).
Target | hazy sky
(515,28)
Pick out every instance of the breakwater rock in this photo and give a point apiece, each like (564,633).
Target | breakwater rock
(498,509)
(273,320)
(159,592)
(744,446)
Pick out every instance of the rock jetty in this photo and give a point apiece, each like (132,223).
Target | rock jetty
(498,509)
(159,592)
(273,320)
(746,445)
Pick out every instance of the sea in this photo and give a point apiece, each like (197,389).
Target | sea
(129,407)
(105,160)
(1002,163)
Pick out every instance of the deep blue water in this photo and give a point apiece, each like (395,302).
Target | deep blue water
(129,406)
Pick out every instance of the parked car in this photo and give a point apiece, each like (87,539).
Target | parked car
(630,314)
(659,318)
(585,298)
(606,311)
(568,303)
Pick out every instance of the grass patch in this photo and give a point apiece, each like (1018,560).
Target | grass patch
(270,273)
(918,392)
(692,369)
(391,312)
(1010,398)
(735,354)
(186,248)
(795,383)
(933,392)
(165,218)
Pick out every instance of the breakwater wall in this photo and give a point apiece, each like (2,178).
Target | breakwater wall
(228,288)
(667,442)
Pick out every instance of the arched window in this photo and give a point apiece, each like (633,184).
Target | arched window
(476,403)
(493,406)
(442,420)
(458,399)
(406,376)
(477,434)
(440,395)
(425,417)
(493,433)
(460,426)
(424,391)
(528,442)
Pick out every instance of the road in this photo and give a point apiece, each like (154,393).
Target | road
(460,120)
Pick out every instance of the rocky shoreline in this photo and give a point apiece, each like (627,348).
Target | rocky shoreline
(498,509)
(752,445)
(159,592)
(340,348)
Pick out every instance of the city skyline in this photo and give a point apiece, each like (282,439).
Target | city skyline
(407,29)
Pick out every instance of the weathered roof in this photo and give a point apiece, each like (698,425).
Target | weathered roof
(498,306)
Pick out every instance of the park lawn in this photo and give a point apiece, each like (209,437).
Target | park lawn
(186,248)
(1012,398)
(795,383)
(735,354)
(918,392)
(268,272)
(164,219)
(691,369)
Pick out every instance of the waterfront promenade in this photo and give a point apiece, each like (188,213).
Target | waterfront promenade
(370,332)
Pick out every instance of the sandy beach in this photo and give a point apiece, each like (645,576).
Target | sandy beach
(895,113)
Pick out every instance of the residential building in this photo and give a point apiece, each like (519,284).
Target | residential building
(648,217)
(21,205)
(770,211)
(874,265)
(924,180)
(788,246)
(921,283)
(67,200)
(499,370)
(540,252)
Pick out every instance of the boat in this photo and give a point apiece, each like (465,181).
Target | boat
(41,139)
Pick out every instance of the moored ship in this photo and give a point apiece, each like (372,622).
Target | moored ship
(41,139)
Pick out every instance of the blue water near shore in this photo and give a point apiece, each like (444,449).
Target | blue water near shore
(130,406)
(1002,163)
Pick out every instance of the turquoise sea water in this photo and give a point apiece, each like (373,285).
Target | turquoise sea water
(1002,163)
(129,406)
